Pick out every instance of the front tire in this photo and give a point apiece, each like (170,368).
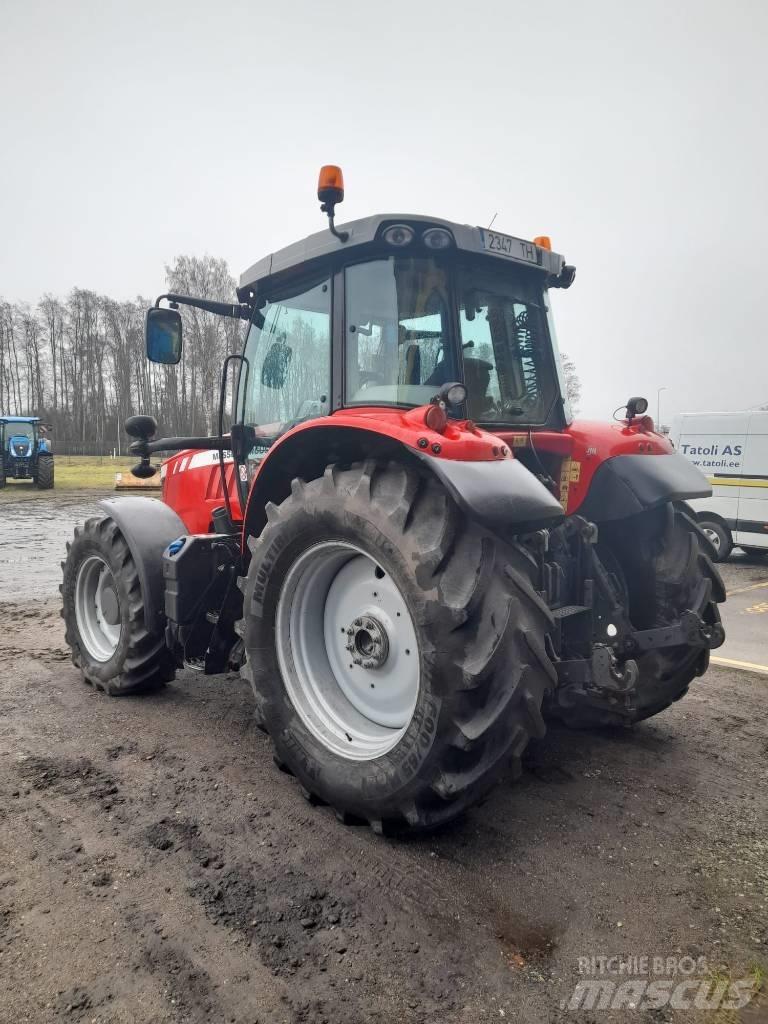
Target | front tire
(44,477)
(383,546)
(103,611)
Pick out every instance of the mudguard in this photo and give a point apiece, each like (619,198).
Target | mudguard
(148,526)
(627,484)
(490,487)
(504,497)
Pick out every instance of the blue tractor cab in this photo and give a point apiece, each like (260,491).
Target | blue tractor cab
(25,451)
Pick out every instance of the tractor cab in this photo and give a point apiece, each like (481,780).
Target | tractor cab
(393,313)
(405,305)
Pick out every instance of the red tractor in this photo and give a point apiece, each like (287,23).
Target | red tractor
(404,542)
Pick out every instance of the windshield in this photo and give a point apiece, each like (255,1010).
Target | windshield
(20,430)
(399,338)
(398,331)
(509,365)
(287,375)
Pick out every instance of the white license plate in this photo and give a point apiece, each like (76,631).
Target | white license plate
(506,245)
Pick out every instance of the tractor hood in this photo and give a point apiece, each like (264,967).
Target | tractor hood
(19,446)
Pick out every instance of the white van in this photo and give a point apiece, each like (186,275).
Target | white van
(731,450)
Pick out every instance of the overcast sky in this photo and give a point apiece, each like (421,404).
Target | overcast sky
(632,133)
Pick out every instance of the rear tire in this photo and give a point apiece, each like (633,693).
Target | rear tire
(103,611)
(664,556)
(44,478)
(477,646)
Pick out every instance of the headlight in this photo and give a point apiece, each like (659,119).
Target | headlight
(399,235)
(437,238)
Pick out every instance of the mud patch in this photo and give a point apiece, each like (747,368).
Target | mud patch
(70,778)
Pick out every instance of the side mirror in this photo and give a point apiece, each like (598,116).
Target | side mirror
(163,335)
(274,369)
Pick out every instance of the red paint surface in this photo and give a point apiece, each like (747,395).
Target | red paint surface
(194,493)
(589,443)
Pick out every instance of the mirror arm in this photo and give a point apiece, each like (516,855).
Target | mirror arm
(236,310)
(177,444)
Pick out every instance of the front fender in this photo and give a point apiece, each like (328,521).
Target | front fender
(625,485)
(148,526)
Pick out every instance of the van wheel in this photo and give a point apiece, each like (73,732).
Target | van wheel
(718,536)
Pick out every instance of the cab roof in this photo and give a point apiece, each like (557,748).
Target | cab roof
(362,233)
(19,419)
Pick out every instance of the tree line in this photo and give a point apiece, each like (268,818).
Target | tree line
(79,362)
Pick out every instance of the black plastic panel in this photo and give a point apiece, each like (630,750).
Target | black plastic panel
(504,496)
(628,484)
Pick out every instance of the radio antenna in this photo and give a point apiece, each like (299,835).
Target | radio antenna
(493,218)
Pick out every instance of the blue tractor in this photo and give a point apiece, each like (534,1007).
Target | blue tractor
(25,451)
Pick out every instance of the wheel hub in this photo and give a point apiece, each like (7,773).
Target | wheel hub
(348,650)
(97,608)
(367,642)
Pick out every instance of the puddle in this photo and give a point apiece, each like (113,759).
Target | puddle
(33,537)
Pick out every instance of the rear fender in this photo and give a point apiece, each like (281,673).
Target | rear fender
(625,485)
(499,492)
(148,526)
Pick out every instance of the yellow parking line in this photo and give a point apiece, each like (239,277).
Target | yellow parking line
(750,666)
(743,590)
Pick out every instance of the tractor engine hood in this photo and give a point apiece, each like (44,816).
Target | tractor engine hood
(19,446)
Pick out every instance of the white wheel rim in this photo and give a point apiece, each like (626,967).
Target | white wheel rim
(713,536)
(347,650)
(97,608)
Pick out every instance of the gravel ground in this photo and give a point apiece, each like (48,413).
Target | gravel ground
(155,866)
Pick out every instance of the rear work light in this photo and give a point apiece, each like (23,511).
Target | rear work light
(398,235)
(435,418)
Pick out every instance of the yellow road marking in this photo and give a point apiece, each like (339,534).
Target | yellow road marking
(743,590)
(750,666)
(757,609)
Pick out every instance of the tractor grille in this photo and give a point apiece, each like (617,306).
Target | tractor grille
(20,449)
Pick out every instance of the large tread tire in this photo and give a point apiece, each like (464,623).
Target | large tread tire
(142,661)
(44,478)
(481,629)
(664,556)
(2,472)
